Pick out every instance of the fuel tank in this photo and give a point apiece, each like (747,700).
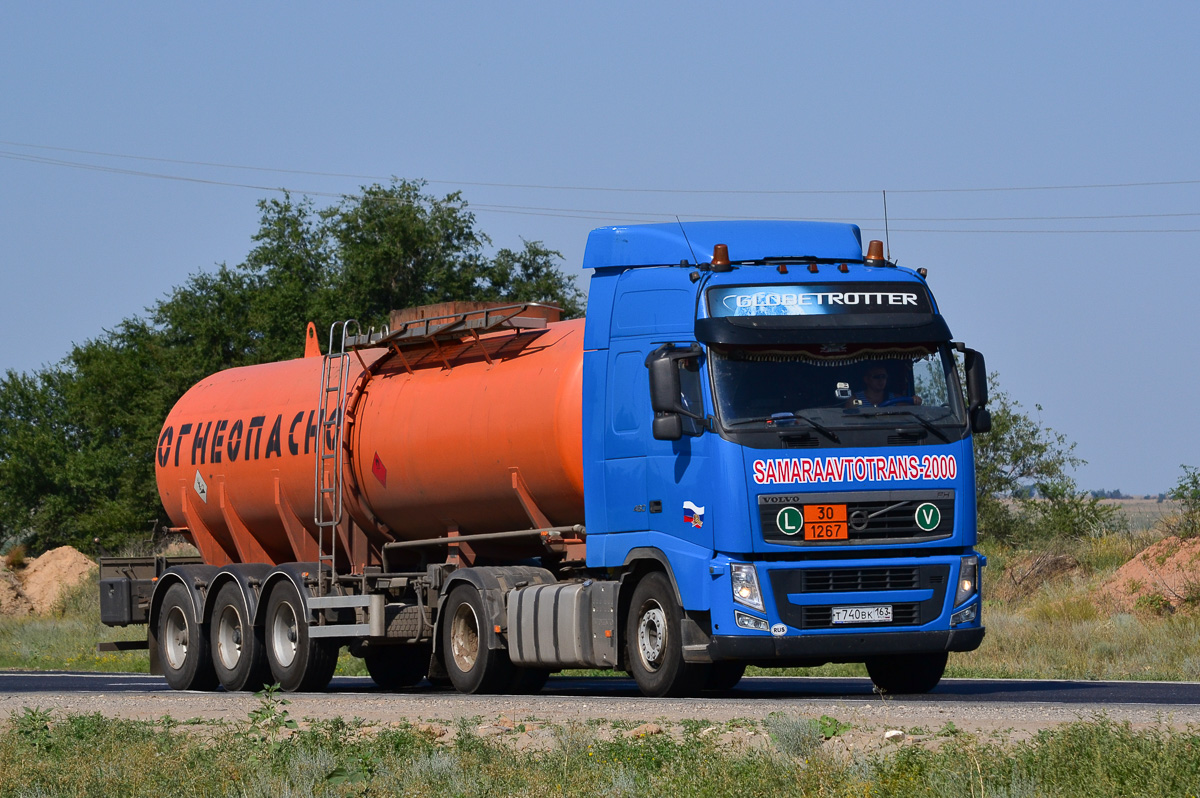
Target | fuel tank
(436,439)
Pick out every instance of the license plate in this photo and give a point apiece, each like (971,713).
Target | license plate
(825,522)
(881,613)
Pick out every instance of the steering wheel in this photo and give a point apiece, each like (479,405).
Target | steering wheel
(898,400)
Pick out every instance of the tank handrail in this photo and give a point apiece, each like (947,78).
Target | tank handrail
(554,531)
(454,325)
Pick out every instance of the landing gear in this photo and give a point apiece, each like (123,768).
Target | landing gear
(654,648)
(183,643)
(238,653)
(298,662)
(907,673)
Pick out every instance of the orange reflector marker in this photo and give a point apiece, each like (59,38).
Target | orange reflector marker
(497,628)
(608,632)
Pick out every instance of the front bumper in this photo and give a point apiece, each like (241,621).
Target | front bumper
(808,650)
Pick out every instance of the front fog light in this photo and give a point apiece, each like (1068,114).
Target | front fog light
(750,622)
(965,615)
(968,579)
(745,586)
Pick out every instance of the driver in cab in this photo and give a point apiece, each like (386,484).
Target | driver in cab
(875,391)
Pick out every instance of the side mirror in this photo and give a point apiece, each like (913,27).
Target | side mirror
(977,391)
(667,397)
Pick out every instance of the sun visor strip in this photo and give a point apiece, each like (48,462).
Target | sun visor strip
(768,330)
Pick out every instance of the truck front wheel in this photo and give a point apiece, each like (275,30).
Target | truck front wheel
(237,646)
(907,673)
(654,648)
(183,643)
(471,665)
(298,662)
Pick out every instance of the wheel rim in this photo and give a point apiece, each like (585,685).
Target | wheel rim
(229,637)
(652,636)
(176,630)
(464,637)
(285,632)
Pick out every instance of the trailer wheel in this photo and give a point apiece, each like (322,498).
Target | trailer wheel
(238,654)
(394,667)
(183,643)
(471,665)
(724,676)
(655,651)
(907,673)
(298,662)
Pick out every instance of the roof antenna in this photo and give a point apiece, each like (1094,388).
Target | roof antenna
(687,241)
(887,239)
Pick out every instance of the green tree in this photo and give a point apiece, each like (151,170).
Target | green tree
(77,440)
(1023,483)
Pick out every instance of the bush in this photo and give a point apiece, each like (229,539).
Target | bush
(1187,493)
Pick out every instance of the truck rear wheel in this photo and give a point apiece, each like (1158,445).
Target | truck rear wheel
(471,665)
(238,653)
(183,643)
(298,662)
(394,667)
(655,650)
(907,673)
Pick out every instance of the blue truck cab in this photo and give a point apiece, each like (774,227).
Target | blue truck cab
(778,454)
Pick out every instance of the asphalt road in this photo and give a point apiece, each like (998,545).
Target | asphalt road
(765,689)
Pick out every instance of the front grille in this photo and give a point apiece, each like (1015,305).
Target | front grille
(839,580)
(871,516)
(841,585)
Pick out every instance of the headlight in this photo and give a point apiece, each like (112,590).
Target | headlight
(968,579)
(745,586)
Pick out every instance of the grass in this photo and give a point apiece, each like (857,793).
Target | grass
(66,638)
(1040,608)
(46,754)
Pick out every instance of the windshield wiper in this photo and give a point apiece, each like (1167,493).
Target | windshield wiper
(919,419)
(779,420)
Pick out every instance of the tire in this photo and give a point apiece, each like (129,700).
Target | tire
(724,676)
(907,673)
(528,681)
(183,643)
(470,664)
(654,647)
(298,662)
(238,654)
(396,667)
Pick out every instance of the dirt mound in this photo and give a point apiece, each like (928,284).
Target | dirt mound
(46,577)
(1167,573)
(38,587)
(13,600)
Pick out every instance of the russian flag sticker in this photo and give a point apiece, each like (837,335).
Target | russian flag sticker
(693,515)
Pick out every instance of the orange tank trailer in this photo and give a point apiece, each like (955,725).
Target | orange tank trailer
(439,440)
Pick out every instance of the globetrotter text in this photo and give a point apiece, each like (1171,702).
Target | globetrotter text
(854,469)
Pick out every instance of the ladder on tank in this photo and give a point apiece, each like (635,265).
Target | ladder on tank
(331,412)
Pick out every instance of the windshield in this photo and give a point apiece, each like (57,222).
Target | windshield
(839,386)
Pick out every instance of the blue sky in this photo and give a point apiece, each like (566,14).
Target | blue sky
(1013,140)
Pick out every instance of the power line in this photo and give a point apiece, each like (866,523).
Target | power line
(551,187)
(607,215)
